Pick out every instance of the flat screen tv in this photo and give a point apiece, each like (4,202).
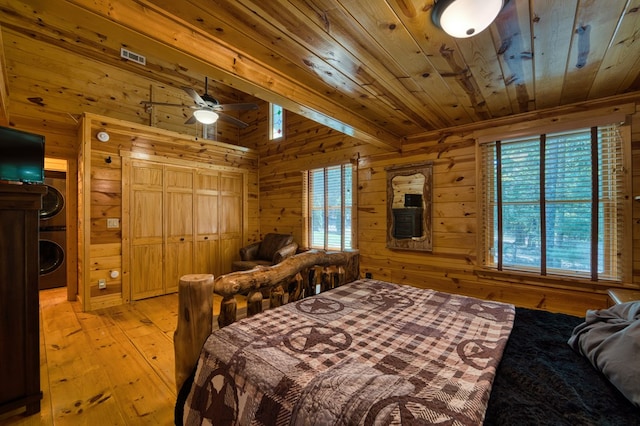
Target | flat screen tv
(21,156)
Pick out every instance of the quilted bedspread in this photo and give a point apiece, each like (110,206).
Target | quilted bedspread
(369,352)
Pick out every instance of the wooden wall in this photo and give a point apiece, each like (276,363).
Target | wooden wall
(102,180)
(452,264)
(55,85)
(281,162)
(275,201)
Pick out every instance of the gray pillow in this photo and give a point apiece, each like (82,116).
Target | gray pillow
(610,339)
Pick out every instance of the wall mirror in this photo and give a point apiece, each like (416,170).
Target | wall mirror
(409,208)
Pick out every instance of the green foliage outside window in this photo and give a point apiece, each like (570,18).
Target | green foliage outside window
(550,208)
(330,205)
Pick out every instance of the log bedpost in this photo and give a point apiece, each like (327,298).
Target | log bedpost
(254,302)
(228,310)
(296,293)
(276,298)
(195,319)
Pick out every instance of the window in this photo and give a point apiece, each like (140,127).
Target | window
(553,204)
(276,122)
(329,207)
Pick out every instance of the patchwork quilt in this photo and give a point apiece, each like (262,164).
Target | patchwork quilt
(366,353)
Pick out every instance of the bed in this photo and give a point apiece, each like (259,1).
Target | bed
(371,352)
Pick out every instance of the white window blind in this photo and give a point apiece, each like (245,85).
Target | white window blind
(329,204)
(553,203)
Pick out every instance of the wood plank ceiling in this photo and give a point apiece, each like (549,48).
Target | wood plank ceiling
(378,70)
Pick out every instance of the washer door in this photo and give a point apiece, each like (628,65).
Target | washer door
(52,203)
(51,256)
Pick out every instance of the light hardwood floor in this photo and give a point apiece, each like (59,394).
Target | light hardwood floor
(114,366)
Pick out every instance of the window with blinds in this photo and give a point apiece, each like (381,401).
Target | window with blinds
(329,202)
(553,203)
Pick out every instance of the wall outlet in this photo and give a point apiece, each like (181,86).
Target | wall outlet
(102,284)
(113,222)
(368,275)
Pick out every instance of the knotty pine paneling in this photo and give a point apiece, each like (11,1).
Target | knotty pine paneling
(253,208)
(451,265)
(106,257)
(306,145)
(106,180)
(73,84)
(106,196)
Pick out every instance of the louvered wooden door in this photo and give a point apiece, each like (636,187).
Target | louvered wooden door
(147,230)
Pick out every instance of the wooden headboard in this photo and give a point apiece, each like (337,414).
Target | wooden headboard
(302,273)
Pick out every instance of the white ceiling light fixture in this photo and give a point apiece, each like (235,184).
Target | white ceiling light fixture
(205,116)
(465,18)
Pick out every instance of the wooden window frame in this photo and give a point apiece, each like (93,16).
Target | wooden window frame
(272,136)
(624,219)
(308,208)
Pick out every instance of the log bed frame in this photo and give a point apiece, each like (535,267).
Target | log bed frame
(298,276)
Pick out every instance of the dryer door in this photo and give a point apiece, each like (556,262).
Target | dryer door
(52,203)
(51,257)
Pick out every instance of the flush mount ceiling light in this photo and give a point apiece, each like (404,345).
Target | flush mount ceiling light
(465,18)
(205,116)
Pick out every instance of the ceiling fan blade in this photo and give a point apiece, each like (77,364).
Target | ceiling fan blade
(235,107)
(196,97)
(190,120)
(232,120)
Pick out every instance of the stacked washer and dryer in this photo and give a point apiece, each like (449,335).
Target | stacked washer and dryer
(53,232)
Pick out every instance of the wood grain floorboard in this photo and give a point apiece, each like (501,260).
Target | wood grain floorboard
(113,366)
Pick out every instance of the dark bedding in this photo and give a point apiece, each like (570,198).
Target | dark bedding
(542,381)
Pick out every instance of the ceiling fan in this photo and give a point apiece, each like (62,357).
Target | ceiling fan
(207,109)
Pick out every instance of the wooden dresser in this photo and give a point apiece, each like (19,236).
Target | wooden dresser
(407,222)
(19,303)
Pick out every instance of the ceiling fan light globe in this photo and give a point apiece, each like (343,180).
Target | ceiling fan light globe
(465,18)
(205,116)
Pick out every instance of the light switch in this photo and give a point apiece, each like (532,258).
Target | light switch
(113,222)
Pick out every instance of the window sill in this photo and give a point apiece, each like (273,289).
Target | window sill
(551,281)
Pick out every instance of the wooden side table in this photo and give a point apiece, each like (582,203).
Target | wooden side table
(617,295)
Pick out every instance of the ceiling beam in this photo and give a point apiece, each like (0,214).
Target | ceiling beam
(233,67)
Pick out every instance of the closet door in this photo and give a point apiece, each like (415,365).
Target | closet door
(179,225)
(183,220)
(231,218)
(146,229)
(207,236)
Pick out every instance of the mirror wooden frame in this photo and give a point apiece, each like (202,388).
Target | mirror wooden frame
(425,241)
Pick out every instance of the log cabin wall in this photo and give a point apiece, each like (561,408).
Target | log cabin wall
(47,80)
(306,144)
(451,265)
(104,178)
(52,98)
